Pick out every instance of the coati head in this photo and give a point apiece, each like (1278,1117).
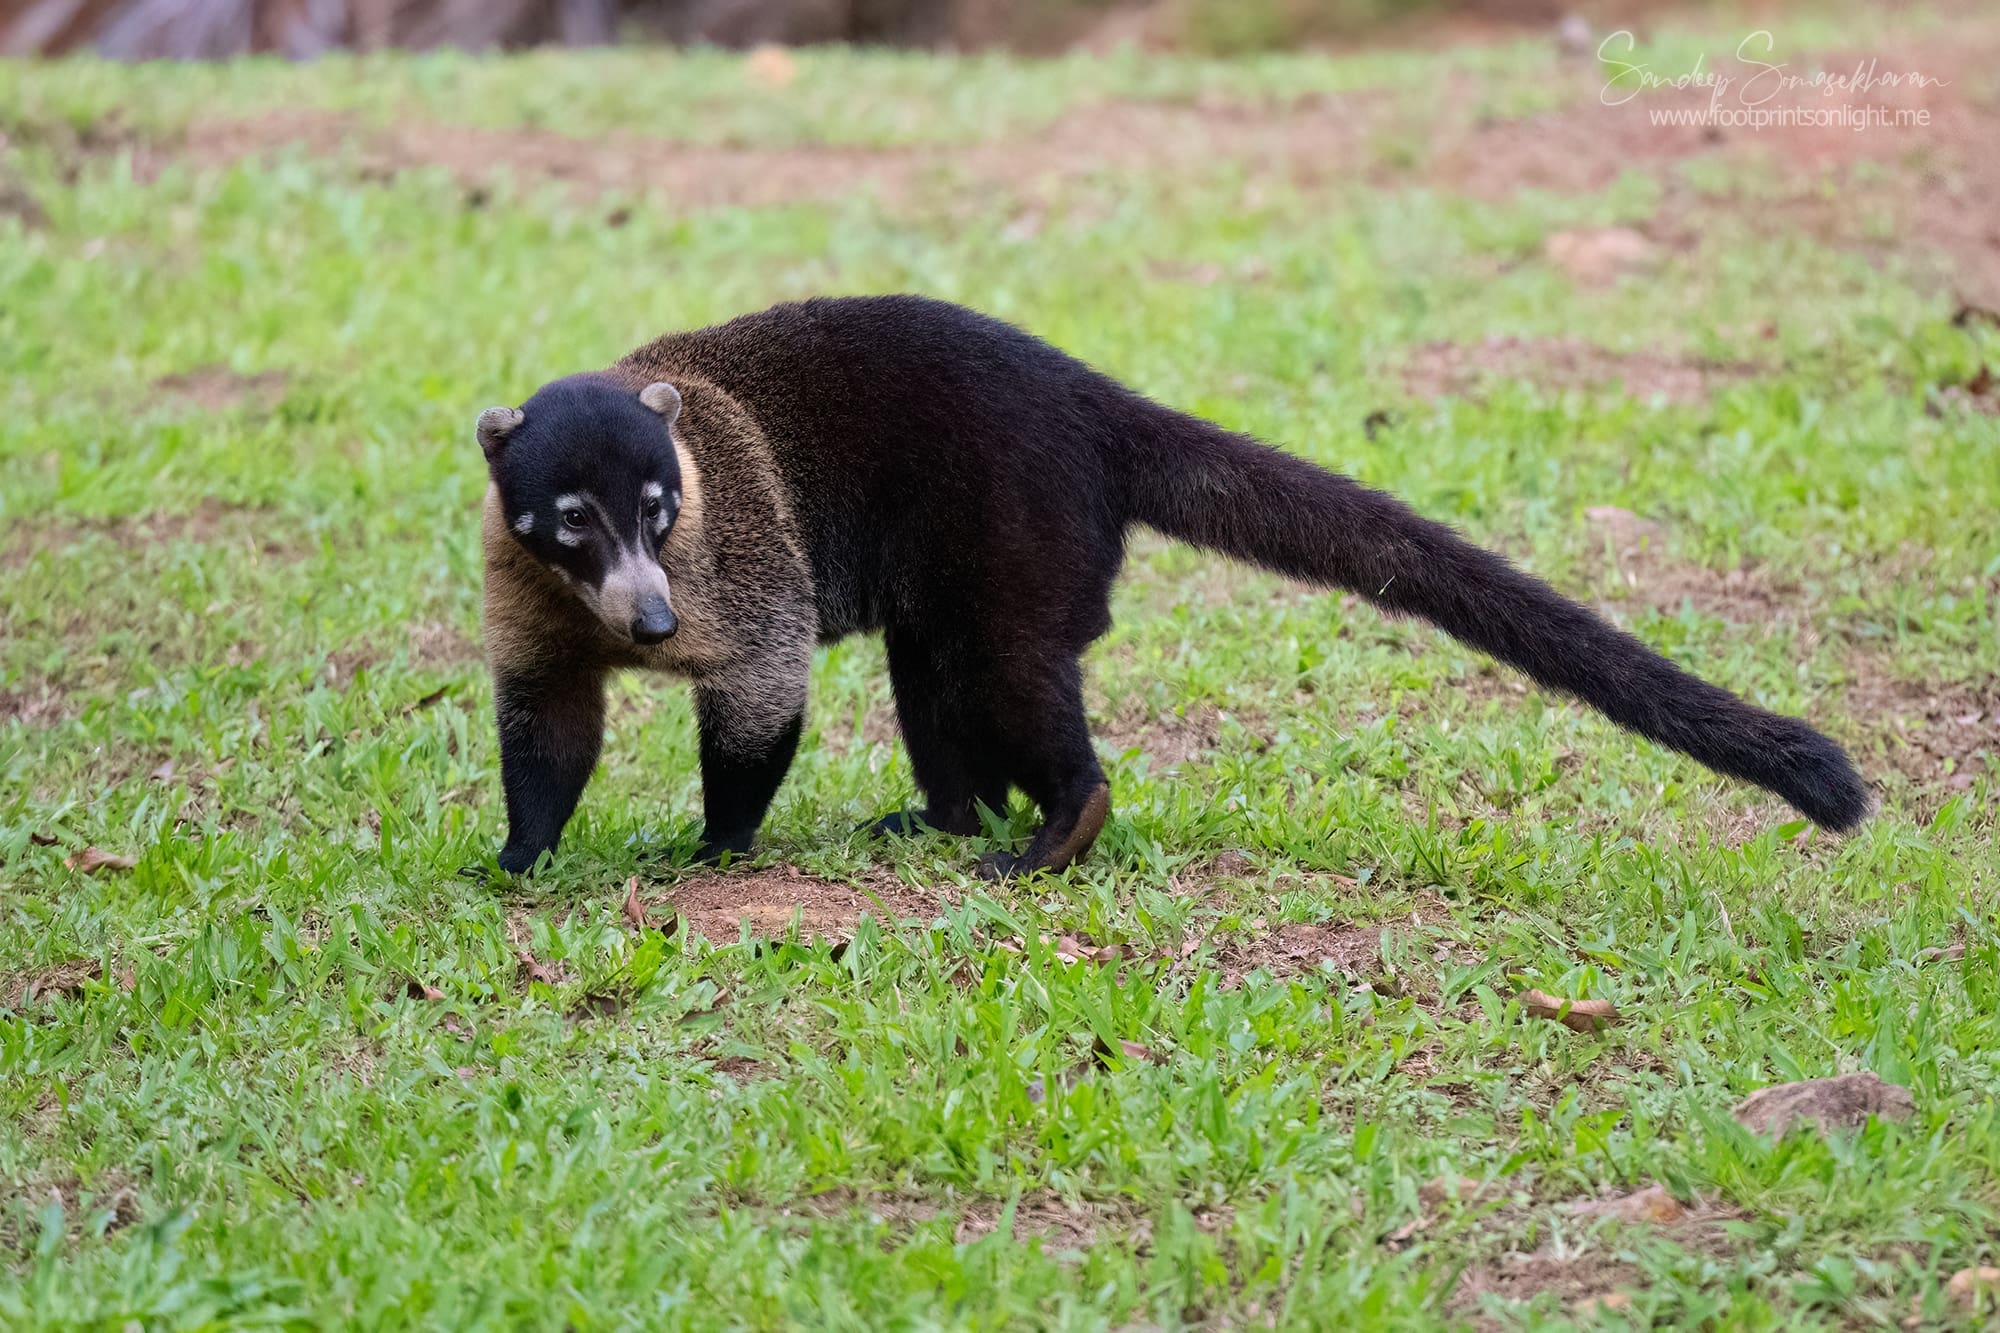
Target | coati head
(590,485)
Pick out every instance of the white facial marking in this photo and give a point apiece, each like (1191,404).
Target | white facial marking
(525,524)
(651,490)
(565,534)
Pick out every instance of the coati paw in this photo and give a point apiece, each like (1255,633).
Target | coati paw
(998,866)
(720,853)
(897,824)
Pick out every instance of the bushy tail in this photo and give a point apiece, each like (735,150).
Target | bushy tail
(1201,484)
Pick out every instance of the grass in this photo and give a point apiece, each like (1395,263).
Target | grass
(237,642)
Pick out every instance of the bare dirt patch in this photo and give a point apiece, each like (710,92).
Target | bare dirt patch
(1308,142)
(218,388)
(720,904)
(1294,947)
(1168,739)
(53,981)
(1589,1277)
(40,704)
(1932,733)
(1467,370)
(212,522)
(1646,571)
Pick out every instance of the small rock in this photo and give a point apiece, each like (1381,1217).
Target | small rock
(1596,256)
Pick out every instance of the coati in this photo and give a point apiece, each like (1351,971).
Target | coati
(718,502)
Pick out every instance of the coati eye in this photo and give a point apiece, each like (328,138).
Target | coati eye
(652,509)
(573,518)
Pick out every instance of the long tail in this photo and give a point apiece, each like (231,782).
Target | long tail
(1201,484)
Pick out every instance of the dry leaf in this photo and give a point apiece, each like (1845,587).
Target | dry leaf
(1131,1050)
(1844,1102)
(536,970)
(1967,1285)
(1651,1204)
(1576,1015)
(1610,1300)
(635,911)
(164,773)
(1438,1189)
(772,66)
(44,839)
(1073,950)
(93,859)
(421,990)
(1951,953)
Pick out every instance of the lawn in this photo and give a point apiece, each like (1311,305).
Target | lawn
(1259,1059)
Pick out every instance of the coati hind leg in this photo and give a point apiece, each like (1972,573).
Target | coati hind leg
(944,731)
(551,730)
(1037,707)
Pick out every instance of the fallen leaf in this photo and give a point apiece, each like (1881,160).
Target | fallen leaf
(772,66)
(1440,1188)
(1651,1204)
(164,773)
(1073,950)
(1576,1015)
(1130,1050)
(421,990)
(1950,953)
(1843,1102)
(1610,1300)
(1967,1285)
(93,859)
(535,968)
(44,839)
(635,911)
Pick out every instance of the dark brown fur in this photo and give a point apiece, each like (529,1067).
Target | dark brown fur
(903,465)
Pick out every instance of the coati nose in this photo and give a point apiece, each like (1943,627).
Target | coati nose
(655,622)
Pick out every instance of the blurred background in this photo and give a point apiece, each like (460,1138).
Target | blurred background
(209,29)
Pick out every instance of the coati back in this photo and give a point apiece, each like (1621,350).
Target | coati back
(905,465)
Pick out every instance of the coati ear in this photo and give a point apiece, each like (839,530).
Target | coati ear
(663,398)
(495,425)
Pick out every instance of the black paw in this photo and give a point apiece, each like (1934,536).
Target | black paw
(997,866)
(897,824)
(721,853)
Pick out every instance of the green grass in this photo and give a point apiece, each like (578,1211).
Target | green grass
(267,1127)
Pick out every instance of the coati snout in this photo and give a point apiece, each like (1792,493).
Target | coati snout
(590,485)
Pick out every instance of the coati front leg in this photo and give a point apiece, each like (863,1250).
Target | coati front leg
(551,731)
(749,732)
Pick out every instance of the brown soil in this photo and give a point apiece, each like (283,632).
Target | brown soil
(1295,947)
(218,388)
(212,522)
(717,904)
(1744,596)
(1923,730)
(1448,369)
(34,705)
(1167,739)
